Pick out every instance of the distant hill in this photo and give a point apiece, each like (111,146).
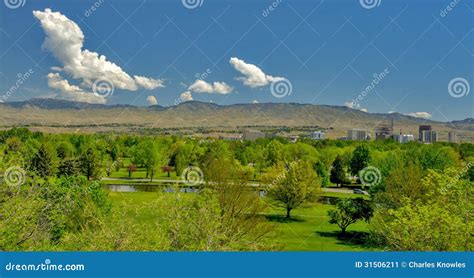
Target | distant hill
(335,119)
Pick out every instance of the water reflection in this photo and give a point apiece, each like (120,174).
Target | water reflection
(187,189)
(149,188)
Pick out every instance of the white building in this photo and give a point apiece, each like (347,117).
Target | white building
(317,135)
(357,134)
(429,136)
(404,138)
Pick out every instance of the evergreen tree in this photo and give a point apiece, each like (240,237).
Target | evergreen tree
(89,163)
(42,162)
(338,175)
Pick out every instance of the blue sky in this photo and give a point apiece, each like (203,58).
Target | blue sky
(328,51)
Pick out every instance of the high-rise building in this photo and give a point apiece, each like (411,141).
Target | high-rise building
(429,136)
(317,135)
(423,132)
(384,131)
(357,134)
(434,136)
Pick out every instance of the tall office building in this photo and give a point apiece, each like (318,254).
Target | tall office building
(424,133)
(429,136)
(384,131)
(357,134)
(317,135)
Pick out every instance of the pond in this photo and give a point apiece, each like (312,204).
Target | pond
(149,188)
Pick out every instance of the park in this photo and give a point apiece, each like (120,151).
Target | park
(122,192)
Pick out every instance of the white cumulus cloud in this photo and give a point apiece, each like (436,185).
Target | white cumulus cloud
(152,100)
(72,92)
(253,75)
(201,86)
(65,39)
(423,115)
(186,96)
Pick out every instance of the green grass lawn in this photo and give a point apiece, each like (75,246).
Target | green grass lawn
(308,230)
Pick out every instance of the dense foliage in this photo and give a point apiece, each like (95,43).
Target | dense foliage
(52,195)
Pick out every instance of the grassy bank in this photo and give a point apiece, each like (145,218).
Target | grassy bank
(308,230)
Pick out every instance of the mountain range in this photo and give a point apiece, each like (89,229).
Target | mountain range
(60,115)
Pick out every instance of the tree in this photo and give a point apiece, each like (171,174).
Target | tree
(67,167)
(338,175)
(322,172)
(273,152)
(89,163)
(348,211)
(297,184)
(43,162)
(360,159)
(438,217)
(150,157)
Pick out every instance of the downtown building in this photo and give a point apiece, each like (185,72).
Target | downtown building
(427,135)
(357,134)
